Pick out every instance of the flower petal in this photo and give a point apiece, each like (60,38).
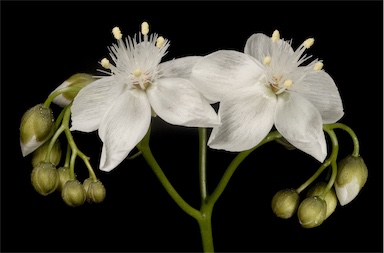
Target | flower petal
(247,117)
(259,46)
(220,72)
(177,101)
(60,100)
(92,102)
(300,123)
(181,67)
(320,89)
(124,125)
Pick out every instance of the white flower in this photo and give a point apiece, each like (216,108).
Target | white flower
(120,105)
(268,85)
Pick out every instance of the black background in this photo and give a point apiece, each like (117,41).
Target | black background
(43,43)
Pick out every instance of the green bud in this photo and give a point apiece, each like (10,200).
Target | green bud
(330,198)
(44,178)
(39,154)
(312,212)
(73,193)
(37,126)
(351,176)
(64,176)
(285,203)
(95,191)
(76,81)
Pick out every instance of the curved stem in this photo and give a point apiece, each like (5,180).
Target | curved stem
(356,146)
(333,157)
(203,163)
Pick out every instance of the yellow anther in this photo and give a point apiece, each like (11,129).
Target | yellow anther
(105,63)
(267,60)
(160,42)
(318,66)
(144,28)
(137,73)
(117,33)
(288,83)
(308,42)
(275,36)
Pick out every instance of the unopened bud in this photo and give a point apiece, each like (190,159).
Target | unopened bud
(37,126)
(76,81)
(95,190)
(352,175)
(44,178)
(330,198)
(312,212)
(39,154)
(64,176)
(285,203)
(73,193)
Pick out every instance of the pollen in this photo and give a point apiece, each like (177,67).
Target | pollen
(318,66)
(137,73)
(267,60)
(144,28)
(160,42)
(288,83)
(105,63)
(275,35)
(308,42)
(117,33)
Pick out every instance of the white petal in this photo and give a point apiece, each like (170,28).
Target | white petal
(124,125)
(220,72)
(247,117)
(181,67)
(177,101)
(347,192)
(300,123)
(60,100)
(320,89)
(30,146)
(259,46)
(92,102)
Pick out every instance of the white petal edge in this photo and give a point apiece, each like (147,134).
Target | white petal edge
(124,125)
(178,102)
(60,100)
(247,117)
(181,67)
(300,123)
(347,192)
(217,74)
(92,102)
(30,146)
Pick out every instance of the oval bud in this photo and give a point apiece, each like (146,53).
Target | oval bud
(285,203)
(73,193)
(36,127)
(312,212)
(44,178)
(39,154)
(64,176)
(351,176)
(330,198)
(95,191)
(77,81)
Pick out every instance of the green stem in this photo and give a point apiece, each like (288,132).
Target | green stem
(203,163)
(205,225)
(356,146)
(52,143)
(67,156)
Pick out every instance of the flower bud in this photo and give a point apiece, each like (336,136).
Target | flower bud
(312,212)
(37,126)
(285,203)
(351,177)
(39,154)
(64,176)
(330,198)
(73,193)
(95,191)
(44,178)
(79,80)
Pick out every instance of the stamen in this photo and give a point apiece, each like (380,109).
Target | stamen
(144,28)
(105,63)
(267,60)
(288,83)
(318,66)
(308,42)
(137,73)
(160,42)
(117,33)
(275,36)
